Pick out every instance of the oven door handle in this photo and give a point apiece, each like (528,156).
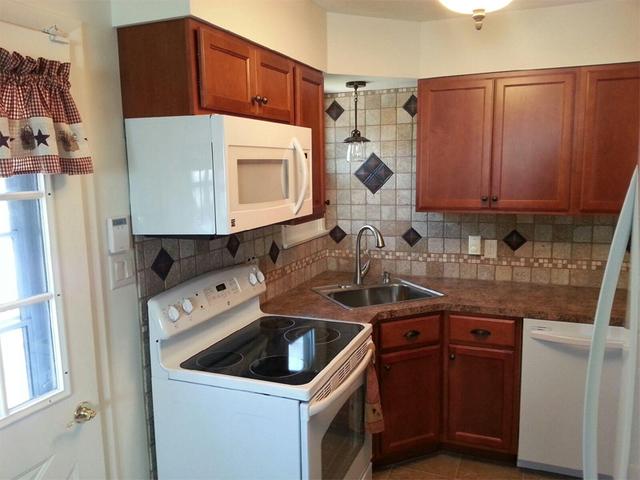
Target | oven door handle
(320,406)
(299,152)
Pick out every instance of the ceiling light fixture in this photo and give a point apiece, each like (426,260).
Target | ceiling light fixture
(476,8)
(355,143)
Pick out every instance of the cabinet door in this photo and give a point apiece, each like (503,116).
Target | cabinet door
(480,397)
(274,84)
(610,138)
(532,142)
(454,143)
(410,383)
(226,72)
(309,113)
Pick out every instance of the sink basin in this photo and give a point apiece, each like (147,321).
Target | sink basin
(354,296)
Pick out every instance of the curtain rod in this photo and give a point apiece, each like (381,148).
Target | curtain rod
(55,34)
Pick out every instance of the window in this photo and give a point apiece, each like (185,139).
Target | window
(30,359)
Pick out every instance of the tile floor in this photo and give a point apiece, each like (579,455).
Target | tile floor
(441,466)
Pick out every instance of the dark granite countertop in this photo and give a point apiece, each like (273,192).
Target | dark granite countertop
(526,300)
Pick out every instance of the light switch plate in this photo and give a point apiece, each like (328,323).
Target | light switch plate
(121,271)
(490,249)
(475,245)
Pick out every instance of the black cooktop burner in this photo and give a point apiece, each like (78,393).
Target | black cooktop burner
(276,349)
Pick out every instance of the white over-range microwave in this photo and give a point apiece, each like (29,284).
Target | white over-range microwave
(216,174)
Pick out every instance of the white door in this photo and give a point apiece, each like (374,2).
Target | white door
(47,349)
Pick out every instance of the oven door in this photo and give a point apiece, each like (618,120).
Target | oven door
(267,184)
(335,444)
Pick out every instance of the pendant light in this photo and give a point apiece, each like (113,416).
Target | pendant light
(355,143)
(476,8)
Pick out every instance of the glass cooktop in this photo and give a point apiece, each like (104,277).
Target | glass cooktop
(277,349)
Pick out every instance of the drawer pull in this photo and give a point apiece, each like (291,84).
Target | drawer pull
(412,334)
(387,367)
(452,356)
(480,332)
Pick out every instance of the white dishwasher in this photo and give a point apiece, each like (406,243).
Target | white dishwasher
(554,368)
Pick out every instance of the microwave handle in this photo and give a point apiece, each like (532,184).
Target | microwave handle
(317,407)
(305,174)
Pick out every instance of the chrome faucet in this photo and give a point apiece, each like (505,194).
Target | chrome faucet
(361,270)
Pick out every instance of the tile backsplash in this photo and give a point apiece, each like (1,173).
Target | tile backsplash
(562,250)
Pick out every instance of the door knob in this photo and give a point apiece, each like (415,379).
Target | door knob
(264,100)
(257,99)
(484,198)
(387,367)
(494,198)
(82,414)
(452,356)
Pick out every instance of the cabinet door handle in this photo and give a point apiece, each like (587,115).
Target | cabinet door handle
(387,367)
(265,100)
(494,198)
(452,356)
(257,99)
(484,198)
(480,332)
(327,202)
(411,334)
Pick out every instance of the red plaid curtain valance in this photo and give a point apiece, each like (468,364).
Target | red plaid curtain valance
(40,127)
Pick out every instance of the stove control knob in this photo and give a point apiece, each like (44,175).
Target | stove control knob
(173,313)
(260,276)
(187,306)
(253,279)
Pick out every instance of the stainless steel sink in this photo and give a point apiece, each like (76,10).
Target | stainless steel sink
(356,296)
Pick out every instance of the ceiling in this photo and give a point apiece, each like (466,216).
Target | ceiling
(419,10)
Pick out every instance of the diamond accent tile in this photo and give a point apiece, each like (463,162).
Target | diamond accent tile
(274,252)
(514,240)
(162,264)
(373,173)
(337,234)
(411,236)
(334,110)
(411,105)
(233,245)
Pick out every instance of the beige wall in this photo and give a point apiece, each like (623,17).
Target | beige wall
(96,88)
(296,28)
(578,34)
(372,46)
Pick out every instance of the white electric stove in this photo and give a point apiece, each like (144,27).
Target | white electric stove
(240,394)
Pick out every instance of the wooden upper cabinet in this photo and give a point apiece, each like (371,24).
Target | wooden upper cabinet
(274,86)
(532,142)
(454,143)
(188,67)
(309,102)
(611,126)
(227,72)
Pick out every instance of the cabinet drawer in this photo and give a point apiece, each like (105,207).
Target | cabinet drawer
(482,331)
(410,332)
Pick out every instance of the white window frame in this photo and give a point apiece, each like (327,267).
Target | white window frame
(54,297)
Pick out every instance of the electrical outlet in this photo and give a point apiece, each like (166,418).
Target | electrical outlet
(490,249)
(475,245)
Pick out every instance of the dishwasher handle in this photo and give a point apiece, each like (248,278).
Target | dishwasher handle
(585,342)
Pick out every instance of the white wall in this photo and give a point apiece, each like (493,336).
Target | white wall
(577,34)
(96,88)
(296,28)
(569,35)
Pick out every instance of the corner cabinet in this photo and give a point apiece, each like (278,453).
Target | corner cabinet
(189,67)
(410,375)
(482,383)
(546,141)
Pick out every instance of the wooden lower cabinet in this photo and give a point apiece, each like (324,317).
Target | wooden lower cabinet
(448,381)
(480,397)
(410,383)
